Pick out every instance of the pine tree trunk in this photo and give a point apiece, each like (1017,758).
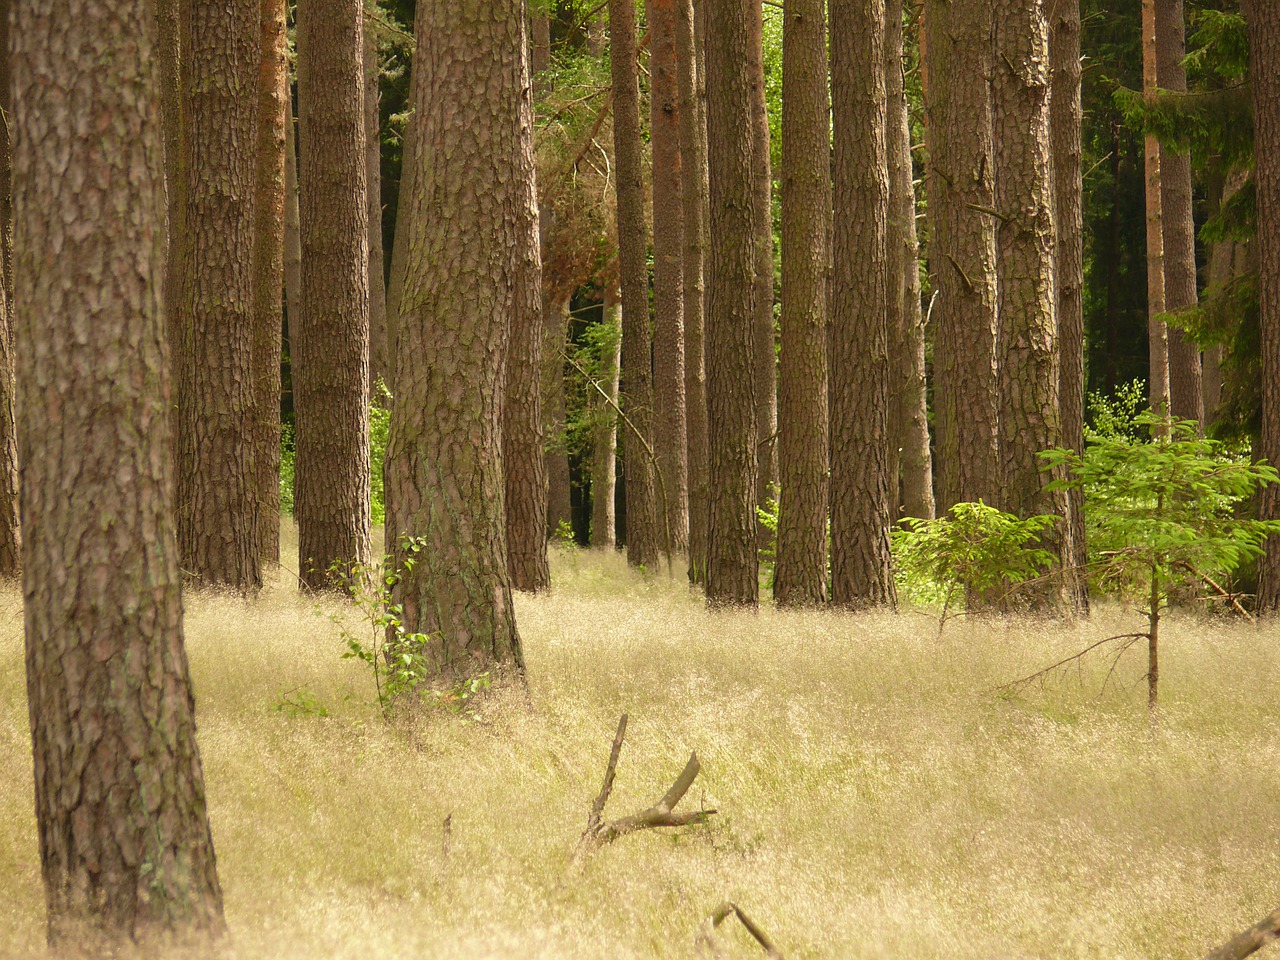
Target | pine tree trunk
(1221,270)
(329,346)
(6,157)
(604,439)
(125,847)
(169,20)
(10,542)
(400,248)
(909,424)
(800,577)
(732,322)
(218,530)
(962,255)
(1185,379)
(670,436)
(1157,331)
(292,229)
(470,219)
(1264,69)
(556,455)
(373,185)
(861,566)
(268,270)
(642,511)
(1066,120)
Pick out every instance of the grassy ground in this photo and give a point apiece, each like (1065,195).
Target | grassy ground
(877,799)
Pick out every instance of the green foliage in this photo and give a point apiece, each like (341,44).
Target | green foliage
(767,517)
(299,703)
(379,431)
(1116,416)
(288,451)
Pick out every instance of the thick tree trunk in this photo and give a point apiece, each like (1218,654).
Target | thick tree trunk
(471,211)
(125,848)
(400,248)
(217,476)
(800,577)
(169,19)
(911,461)
(329,346)
(292,228)
(861,566)
(604,438)
(268,270)
(378,357)
(1264,69)
(556,454)
(1186,392)
(642,512)
(1157,330)
(6,155)
(9,538)
(732,322)
(958,35)
(670,435)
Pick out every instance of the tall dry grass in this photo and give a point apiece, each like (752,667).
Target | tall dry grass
(876,798)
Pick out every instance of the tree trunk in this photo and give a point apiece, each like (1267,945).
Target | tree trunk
(637,384)
(169,19)
(604,440)
(1029,364)
(1068,190)
(670,435)
(373,186)
(472,209)
(861,566)
(693,149)
(732,322)
(400,247)
(10,543)
(6,157)
(292,228)
(125,848)
(958,35)
(909,425)
(268,270)
(1264,69)
(1221,271)
(1157,330)
(218,531)
(556,454)
(1185,380)
(800,577)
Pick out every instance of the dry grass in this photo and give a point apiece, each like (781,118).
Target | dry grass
(877,799)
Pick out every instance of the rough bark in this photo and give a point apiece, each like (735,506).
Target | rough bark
(373,188)
(292,228)
(329,345)
(169,28)
(670,430)
(218,530)
(911,461)
(604,438)
(470,213)
(125,848)
(800,576)
(6,156)
(268,271)
(642,537)
(1186,393)
(556,455)
(732,322)
(9,536)
(1264,69)
(1157,331)
(400,249)
(958,35)
(861,566)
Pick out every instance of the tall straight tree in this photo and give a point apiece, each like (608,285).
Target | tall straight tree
(268,270)
(378,357)
(642,516)
(169,29)
(400,246)
(556,305)
(218,509)
(1186,391)
(732,560)
(329,343)
(604,438)
(800,577)
(962,255)
(1264,72)
(9,545)
(472,202)
(1157,330)
(125,848)
(670,434)
(861,566)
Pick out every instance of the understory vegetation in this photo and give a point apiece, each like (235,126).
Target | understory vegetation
(877,796)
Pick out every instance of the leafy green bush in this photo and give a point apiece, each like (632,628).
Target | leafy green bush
(287,452)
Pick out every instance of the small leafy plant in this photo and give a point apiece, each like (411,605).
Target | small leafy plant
(299,703)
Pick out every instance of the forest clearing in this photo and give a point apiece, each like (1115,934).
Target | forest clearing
(876,798)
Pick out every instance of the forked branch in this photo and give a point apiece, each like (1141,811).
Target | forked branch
(1015,685)
(707,942)
(1249,941)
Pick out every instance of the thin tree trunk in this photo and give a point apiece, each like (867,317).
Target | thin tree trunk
(400,247)
(268,270)
(732,322)
(556,454)
(378,357)
(125,848)
(800,577)
(1157,331)
(604,445)
(637,383)
(218,530)
(861,566)
(292,228)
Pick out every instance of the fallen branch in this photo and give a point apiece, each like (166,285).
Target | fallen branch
(707,932)
(1222,592)
(1250,941)
(1015,685)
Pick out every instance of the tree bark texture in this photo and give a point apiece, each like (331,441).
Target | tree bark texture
(1186,392)
(670,435)
(373,187)
(470,212)
(642,537)
(400,248)
(861,566)
(169,19)
(125,848)
(1157,330)
(556,454)
(329,346)
(268,271)
(218,509)
(292,228)
(911,460)
(800,576)
(963,260)
(604,439)
(732,322)
(9,537)
(6,156)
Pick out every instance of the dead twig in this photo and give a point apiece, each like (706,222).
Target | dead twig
(1222,592)
(1249,941)
(1015,685)
(706,939)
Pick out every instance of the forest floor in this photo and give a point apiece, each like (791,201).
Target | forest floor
(877,798)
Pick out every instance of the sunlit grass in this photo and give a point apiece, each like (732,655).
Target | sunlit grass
(878,799)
